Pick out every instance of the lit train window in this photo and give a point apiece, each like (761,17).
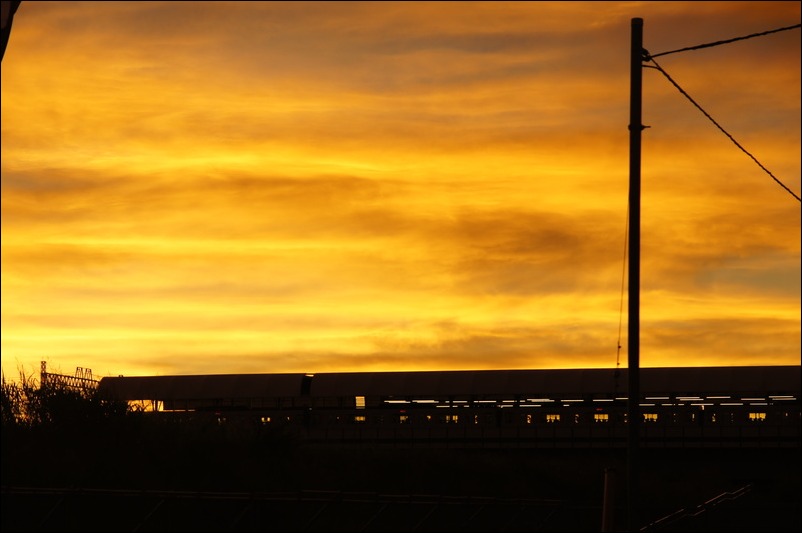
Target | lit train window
(152,405)
(757,417)
(265,420)
(601,417)
(360,402)
(650,417)
(452,419)
(528,419)
(360,419)
(552,418)
(403,419)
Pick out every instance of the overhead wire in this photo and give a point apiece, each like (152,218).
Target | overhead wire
(621,305)
(651,57)
(744,150)
(716,43)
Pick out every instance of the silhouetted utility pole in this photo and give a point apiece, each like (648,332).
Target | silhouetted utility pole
(633,323)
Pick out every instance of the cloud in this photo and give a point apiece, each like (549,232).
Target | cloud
(341,186)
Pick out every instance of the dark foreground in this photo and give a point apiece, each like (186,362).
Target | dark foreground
(290,488)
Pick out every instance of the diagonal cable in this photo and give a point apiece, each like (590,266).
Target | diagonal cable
(716,43)
(681,90)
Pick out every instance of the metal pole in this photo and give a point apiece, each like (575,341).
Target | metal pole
(633,408)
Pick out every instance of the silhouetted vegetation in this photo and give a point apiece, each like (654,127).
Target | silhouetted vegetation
(56,406)
(60,435)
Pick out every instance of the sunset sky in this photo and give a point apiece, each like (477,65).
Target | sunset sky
(229,187)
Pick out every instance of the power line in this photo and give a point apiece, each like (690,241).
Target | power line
(681,90)
(708,45)
(623,282)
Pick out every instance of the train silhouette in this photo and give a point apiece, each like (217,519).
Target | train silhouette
(746,406)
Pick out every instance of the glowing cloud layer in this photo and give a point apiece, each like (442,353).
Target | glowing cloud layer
(215,187)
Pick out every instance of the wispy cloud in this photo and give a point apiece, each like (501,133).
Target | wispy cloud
(280,186)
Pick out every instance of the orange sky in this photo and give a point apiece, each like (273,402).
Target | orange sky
(223,187)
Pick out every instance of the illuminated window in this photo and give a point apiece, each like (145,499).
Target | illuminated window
(153,405)
(360,402)
(360,419)
(403,419)
(452,419)
(265,420)
(552,418)
(601,417)
(650,417)
(428,418)
(757,417)
(528,419)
